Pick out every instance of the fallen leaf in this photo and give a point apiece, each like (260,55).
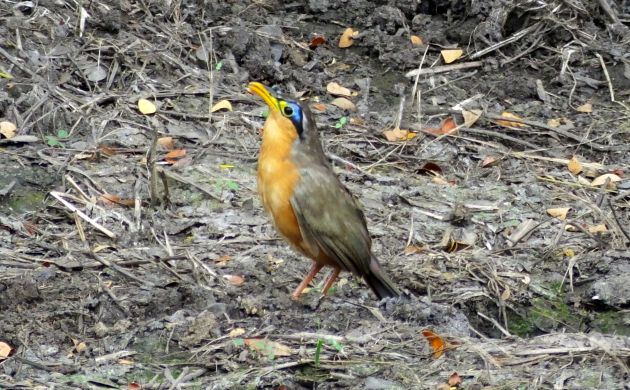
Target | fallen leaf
(397,134)
(440,180)
(5,350)
(506,123)
(113,200)
(601,228)
(454,380)
(436,342)
(600,180)
(431,168)
(223,260)
(505,295)
(222,105)
(488,161)
(416,40)
(166,142)
(268,348)
(471,116)
(559,212)
(134,386)
(554,122)
(338,90)
(79,346)
(451,55)
(7,129)
(319,107)
(413,249)
(347,38)
(575,167)
(146,107)
(317,41)
(448,126)
(586,108)
(584,181)
(234,280)
(344,104)
(236,332)
(174,155)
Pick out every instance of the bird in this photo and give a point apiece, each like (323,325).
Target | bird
(309,206)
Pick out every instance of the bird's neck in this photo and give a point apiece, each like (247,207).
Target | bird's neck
(278,138)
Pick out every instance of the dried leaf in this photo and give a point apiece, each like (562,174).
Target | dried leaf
(338,90)
(413,249)
(601,228)
(454,380)
(586,108)
(80,347)
(488,161)
(436,342)
(268,348)
(344,104)
(575,167)
(174,155)
(554,122)
(505,295)
(471,117)
(397,134)
(223,260)
(451,55)
(416,40)
(317,41)
(5,350)
(319,107)
(166,142)
(146,107)
(7,129)
(509,115)
(222,105)
(112,200)
(559,212)
(347,38)
(236,332)
(235,280)
(600,180)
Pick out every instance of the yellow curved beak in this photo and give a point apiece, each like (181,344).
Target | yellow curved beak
(262,91)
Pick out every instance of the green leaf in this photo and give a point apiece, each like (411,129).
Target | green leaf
(53,141)
(338,125)
(343,120)
(318,351)
(231,185)
(336,345)
(239,342)
(62,133)
(219,66)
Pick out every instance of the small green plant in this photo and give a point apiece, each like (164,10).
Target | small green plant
(219,66)
(320,343)
(341,122)
(225,184)
(54,141)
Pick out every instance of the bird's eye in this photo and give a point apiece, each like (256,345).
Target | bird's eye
(288,111)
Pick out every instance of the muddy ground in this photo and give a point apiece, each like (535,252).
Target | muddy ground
(108,280)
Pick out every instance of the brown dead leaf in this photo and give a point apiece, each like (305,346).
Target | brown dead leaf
(344,104)
(236,332)
(601,180)
(5,350)
(554,122)
(448,126)
(174,155)
(166,142)
(601,228)
(115,200)
(435,341)
(223,260)
(334,88)
(508,123)
(397,134)
(505,295)
(268,348)
(585,108)
(347,38)
(319,107)
(454,380)
(489,161)
(416,40)
(575,167)
(7,129)
(413,249)
(471,116)
(235,280)
(451,55)
(316,41)
(559,212)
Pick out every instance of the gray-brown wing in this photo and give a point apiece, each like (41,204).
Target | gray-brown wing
(329,218)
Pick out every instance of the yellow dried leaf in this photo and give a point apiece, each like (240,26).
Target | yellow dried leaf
(586,108)
(554,122)
(7,129)
(575,167)
(338,90)
(509,115)
(416,40)
(601,228)
(505,295)
(79,346)
(347,38)
(268,348)
(397,134)
(222,105)
(166,142)
(559,212)
(344,104)
(471,116)
(600,180)
(146,107)
(450,55)
(236,332)
(5,350)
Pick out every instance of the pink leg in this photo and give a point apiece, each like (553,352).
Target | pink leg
(305,282)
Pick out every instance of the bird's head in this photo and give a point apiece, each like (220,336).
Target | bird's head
(298,116)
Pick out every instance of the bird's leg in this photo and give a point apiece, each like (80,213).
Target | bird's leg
(331,280)
(307,279)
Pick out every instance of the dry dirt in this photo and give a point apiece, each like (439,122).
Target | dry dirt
(103,285)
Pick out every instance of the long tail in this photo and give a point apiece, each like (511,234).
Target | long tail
(379,282)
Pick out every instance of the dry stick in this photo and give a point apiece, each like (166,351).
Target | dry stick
(444,68)
(59,196)
(609,11)
(511,39)
(118,269)
(610,86)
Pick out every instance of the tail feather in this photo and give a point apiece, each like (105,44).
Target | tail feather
(379,282)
